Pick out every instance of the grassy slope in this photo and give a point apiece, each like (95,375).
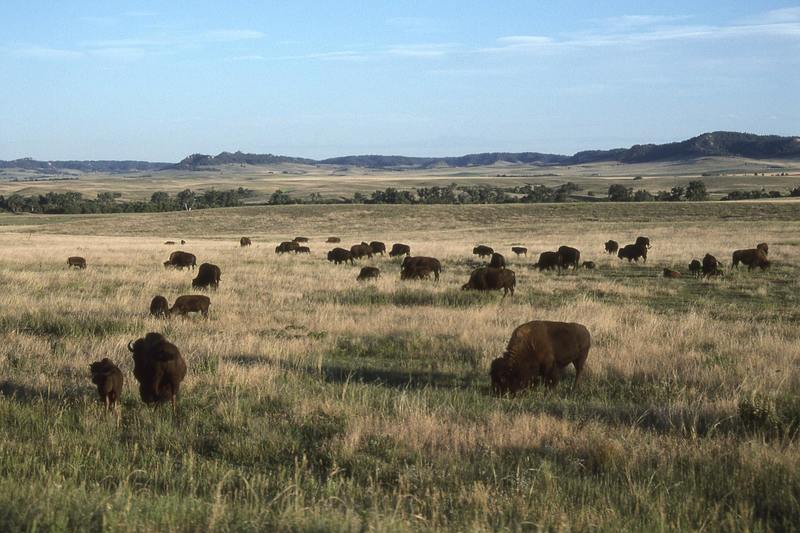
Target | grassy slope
(316,402)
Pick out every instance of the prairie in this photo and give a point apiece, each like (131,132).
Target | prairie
(314,402)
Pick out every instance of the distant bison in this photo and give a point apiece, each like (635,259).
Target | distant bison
(519,250)
(569,257)
(764,247)
(548,261)
(378,247)
(497,261)
(159,368)
(245,241)
(159,307)
(108,378)
(540,350)
(300,239)
(668,273)
(302,250)
(416,272)
(333,239)
(492,279)
(589,265)
(191,303)
(169,242)
(339,256)
(369,273)
(753,258)
(361,250)
(711,266)
(420,266)
(633,252)
(77,262)
(482,251)
(181,260)
(695,267)
(399,249)
(643,241)
(208,275)
(286,247)
(612,247)
(183,242)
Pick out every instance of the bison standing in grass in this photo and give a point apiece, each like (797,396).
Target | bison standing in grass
(300,239)
(497,261)
(361,250)
(159,368)
(77,262)
(245,241)
(633,252)
(302,250)
(108,378)
(589,265)
(399,249)
(286,247)
(764,247)
(753,258)
(333,239)
(540,349)
(482,251)
(548,261)
(492,279)
(419,267)
(378,247)
(711,266)
(695,267)
(519,250)
(569,257)
(339,256)
(369,273)
(208,275)
(159,307)
(181,260)
(191,303)
(611,247)
(643,241)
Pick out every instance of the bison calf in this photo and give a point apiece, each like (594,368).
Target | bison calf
(191,303)
(108,378)
(519,250)
(369,273)
(77,262)
(245,241)
(611,247)
(159,368)
(419,267)
(159,307)
(695,267)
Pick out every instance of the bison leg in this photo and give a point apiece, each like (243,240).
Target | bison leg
(578,364)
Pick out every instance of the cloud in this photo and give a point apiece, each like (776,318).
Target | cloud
(220,36)
(776,16)
(421,50)
(248,57)
(44,52)
(417,24)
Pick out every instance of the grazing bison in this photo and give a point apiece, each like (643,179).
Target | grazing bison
(519,250)
(340,255)
(549,261)
(191,303)
(181,260)
(764,247)
(711,266)
(333,239)
(361,250)
(612,247)
(668,273)
(159,368)
(491,279)
(369,273)
(399,249)
(633,252)
(753,258)
(208,275)
(643,241)
(245,241)
(589,265)
(300,239)
(77,262)
(169,242)
(302,250)
(108,378)
(286,247)
(497,261)
(159,307)
(695,267)
(412,266)
(378,247)
(569,257)
(482,251)
(183,242)
(540,349)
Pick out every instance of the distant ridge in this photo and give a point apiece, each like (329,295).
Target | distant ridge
(715,144)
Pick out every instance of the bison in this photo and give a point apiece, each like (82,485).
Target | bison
(695,267)
(191,303)
(340,255)
(159,307)
(416,272)
(668,273)
(540,349)
(491,279)
(302,250)
(300,239)
(361,250)
(569,257)
(333,239)
(77,262)
(711,266)
(369,273)
(753,258)
(419,267)
(633,252)
(399,249)
(764,247)
(589,265)
(181,260)
(108,378)
(169,243)
(611,247)
(286,247)
(208,275)
(497,261)
(159,368)
(245,241)
(482,251)
(378,247)
(548,261)
(643,241)
(519,250)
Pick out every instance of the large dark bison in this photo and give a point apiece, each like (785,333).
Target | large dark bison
(181,260)
(300,239)
(548,261)
(208,275)
(399,249)
(711,266)
(302,250)
(245,241)
(611,247)
(286,246)
(482,251)
(569,257)
(361,250)
(108,378)
(492,279)
(643,241)
(159,368)
(378,247)
(159,307)
(633,252)
(77,262)
(695,267)
(497,261)
(369,273)
(339,256)
(753,258)
(764,247)
(519,250)
(191,303)
(540,349)
(419,267)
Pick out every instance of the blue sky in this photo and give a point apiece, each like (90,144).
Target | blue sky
(141,80)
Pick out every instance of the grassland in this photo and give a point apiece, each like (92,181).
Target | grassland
(314,402)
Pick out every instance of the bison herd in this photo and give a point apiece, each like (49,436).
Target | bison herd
(537,351)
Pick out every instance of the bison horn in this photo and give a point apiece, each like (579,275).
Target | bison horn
(130,345)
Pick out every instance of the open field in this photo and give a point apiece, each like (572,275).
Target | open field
(314,402)
(723,175)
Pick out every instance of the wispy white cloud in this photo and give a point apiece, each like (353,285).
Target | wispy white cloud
(44,52)
(638,21)
(776,16)
(230,35)
(417,24)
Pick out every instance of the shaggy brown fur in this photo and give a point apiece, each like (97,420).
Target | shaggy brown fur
(339,256)
(633,252)
(611,247)
(77,262)
(643,241)
(369,273)
(753,258)
(711,266)
(158,367)
(519,250)
(245,241)
(286,247)
(191,303)
(497,261)
(549,261)
(399,249)
(569,257)
(378,247)
(159,307)
(695,267)
(418,265)
(361,250)
(208,275)
(482,251)
(492,279)
(181,260)
(108,378)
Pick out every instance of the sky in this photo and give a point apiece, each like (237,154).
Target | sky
(142,80)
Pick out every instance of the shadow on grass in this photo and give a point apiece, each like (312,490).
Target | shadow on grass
(24,393)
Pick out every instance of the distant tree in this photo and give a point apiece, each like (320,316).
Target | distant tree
(795,192)
(675,194)
(185,199)
(619,193)
(696,191)
(642,196)
(280,198)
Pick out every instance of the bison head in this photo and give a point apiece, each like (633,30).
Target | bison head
(503,376)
